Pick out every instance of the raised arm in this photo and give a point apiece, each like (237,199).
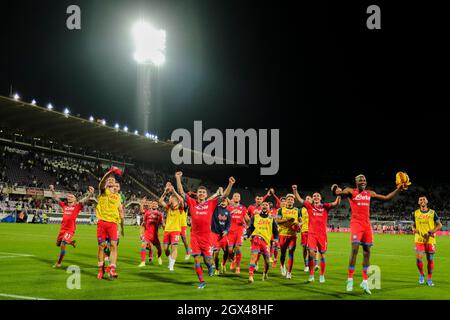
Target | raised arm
(347,192)
(231,182)
(180,198)
(163,196)
(390,196)
(142,204)
(296,194)
(336,202)
(89,195)
(218,193)
(178,176)
(101,185)
(54,195)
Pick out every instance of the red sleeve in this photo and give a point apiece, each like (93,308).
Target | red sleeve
(80,206)
(278,204)
(62,204)
(214,202)
(327,205)
(265,197)
(307,205)
(167,206)
(190,202)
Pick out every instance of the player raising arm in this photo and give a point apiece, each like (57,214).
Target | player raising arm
(360,228)
(68,224)
(109,214)
(317,229)
(201,211)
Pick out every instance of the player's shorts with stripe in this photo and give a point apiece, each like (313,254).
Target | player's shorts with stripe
(151,237)
(65,235)
(183,231)
(361,234)
(106,230)
(425,248)
(218,242)
(260,245)
(201,245)
(304,239)
(317,242)
(235,237)
(171,237)
(288,242)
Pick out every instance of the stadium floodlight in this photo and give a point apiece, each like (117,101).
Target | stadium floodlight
(104,122)
(49,106)
(91,118)
(16,97)
(147,135)
(136,132)
(156,137)
(125,129)
(150,44)
(116,126)
(33,102)
(66,111)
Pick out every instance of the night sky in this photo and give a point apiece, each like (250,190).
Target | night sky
(346,99)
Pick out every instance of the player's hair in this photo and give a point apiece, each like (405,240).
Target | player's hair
(290,195)
(282,198)
(359,176)
(423,196)
(202,188)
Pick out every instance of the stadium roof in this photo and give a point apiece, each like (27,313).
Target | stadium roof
(39,122)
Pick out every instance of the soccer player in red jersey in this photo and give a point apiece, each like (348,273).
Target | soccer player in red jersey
(317,229)
(360,228)
(239,217)
(256,207)
(262,228)
(201,211)
(68,224)
(152,219)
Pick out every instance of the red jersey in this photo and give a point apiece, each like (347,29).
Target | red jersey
(317,217)
(360,205)
(70,214)
(238,213)
(201,215)
(152,220)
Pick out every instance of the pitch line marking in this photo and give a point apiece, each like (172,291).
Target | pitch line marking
(21,297)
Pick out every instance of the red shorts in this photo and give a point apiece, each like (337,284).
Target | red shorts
(235,237)
(361,234)
(260,245)
(218,242)
(171,237)
(183,231)
(317,242)
(425,248)
(65,235)
(305,238)
(151,237)
(201,245)
(288,242)
(105,230)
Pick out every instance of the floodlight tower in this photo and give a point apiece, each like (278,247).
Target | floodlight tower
(150,53)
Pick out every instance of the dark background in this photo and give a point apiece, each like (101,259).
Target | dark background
(346,99)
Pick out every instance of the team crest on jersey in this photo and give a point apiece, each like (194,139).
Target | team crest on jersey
(354,236)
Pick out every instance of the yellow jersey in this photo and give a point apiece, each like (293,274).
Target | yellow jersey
(263,227)
(108,205)
(304,220)
(424,222)
(184,218)
(173,219)
(285,229)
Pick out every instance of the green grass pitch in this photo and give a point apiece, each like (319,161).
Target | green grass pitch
(27,253)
